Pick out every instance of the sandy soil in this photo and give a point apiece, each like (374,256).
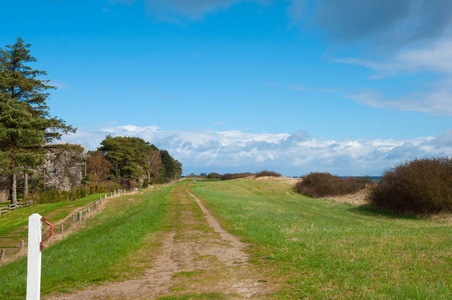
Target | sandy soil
(197,256)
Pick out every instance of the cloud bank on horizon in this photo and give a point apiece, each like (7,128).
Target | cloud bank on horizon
(291,154)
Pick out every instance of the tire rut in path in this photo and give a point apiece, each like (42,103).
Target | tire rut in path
(196,257)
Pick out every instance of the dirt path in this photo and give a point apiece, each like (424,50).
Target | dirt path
(197,258)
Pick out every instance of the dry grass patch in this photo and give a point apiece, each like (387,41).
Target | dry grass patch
(356,199)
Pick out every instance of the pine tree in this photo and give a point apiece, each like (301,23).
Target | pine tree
(21,139)
(20,83)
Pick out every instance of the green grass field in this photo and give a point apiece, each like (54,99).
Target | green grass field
(316,248)
(105,248)
(328,250)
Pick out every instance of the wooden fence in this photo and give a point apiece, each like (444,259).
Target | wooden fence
(76,217)
(15,206)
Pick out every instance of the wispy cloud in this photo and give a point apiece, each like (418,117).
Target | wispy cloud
(392,38)
(292,154)
(60,85)
(435,101)
(435,57)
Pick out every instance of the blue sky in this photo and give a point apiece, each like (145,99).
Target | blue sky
(348,87)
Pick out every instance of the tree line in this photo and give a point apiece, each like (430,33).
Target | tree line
(132,162)
(28,136)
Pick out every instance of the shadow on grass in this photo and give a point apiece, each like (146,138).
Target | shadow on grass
(368,210)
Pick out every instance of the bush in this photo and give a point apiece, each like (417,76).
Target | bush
(267,173)
(64,195)
(214,175)
(324,184)
(50,196)
(109,186)
(235,176)
(420,186)
(83,192)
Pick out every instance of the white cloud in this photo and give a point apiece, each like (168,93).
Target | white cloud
(291,154)
(432,57)
(436,99)
(436,57)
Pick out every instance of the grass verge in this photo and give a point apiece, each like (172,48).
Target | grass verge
(107,248)
(328,250)
(15,221)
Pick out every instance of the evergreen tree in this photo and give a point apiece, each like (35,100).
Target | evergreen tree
(21,139)
(20,83)
(171,168)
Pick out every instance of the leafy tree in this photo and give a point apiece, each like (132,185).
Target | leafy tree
(127,155)
(153,165)
(98,167)
(19,83)
(133,158)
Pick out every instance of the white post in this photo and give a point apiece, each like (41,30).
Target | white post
(34,257)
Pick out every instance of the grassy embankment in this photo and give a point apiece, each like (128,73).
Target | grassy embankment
(327,250)
(102,249)
(13,223)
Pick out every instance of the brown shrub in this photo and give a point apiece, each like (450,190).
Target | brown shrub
(324,184)
(420,186)
(214,175)
(229,176)
(267,173)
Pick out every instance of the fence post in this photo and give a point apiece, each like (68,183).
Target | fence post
(21,244)
(62,228)
(34,257)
